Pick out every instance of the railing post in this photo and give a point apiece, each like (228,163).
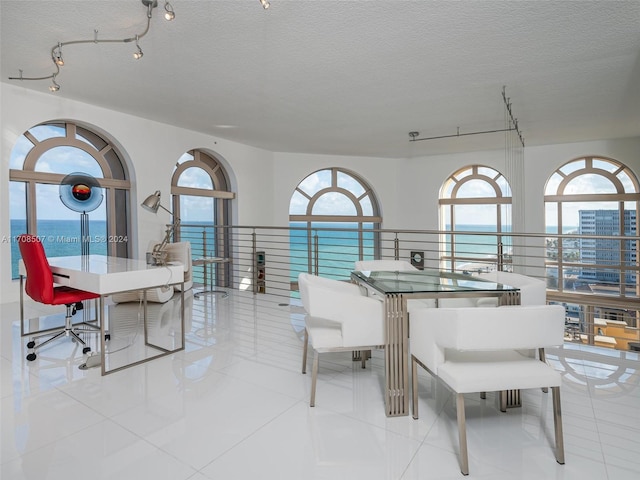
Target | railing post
(396,247)
(316,250)
(500,256)
(254,250)
(204,255)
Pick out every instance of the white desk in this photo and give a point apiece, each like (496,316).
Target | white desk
(108,275)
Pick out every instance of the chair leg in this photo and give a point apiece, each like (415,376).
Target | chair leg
(462,434)
(77,337)
(305,348)
(483,395)
(314,378)
(557,423)
(69,330)
(503,401)
(48,340)
(365,355)
(543,358)
(414,387)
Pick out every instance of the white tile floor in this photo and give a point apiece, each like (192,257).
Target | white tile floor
(234,405)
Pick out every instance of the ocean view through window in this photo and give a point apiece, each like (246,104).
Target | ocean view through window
(60,238)
(41,161)
(333,215)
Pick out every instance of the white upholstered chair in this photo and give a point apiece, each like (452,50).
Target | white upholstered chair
(176,252)
(533,291)
(181,252)
(475,350)
(339,318)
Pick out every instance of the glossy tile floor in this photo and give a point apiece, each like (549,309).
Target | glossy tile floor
(234,405)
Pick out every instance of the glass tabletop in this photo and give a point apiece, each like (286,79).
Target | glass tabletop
(427,281)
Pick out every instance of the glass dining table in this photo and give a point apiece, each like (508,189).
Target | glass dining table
(396,289)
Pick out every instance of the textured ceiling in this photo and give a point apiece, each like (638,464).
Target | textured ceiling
(346,77)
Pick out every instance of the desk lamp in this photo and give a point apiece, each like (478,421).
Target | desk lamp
(152,204)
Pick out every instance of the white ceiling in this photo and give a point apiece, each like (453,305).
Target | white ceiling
(346,77)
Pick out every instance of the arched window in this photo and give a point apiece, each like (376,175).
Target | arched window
(592,196)
(40,160)
(202,200)
(475,199)
(334,208)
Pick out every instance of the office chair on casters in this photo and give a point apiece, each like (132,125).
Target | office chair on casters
(39,286)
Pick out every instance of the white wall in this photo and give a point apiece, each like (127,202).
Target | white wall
(151,148)
(541,162)
(407,189)
(291,168)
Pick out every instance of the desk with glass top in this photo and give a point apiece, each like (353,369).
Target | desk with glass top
(397,288)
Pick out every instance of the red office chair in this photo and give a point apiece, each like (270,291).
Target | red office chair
(39,286)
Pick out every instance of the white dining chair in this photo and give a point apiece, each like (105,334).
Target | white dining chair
(477,349)
(533,291)
(339,318)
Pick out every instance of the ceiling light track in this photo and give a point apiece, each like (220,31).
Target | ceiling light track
(512,126)
(56,50)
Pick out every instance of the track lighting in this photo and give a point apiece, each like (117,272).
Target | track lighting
(58,56)
(54,87)
(56,51)
(138,54)
(169,14)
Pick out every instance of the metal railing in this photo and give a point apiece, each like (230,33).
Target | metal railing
(594,277)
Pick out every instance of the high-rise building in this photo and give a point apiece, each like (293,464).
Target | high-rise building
(605,251)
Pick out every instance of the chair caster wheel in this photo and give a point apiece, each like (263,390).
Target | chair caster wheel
(31,357)
(86,349)
(31,344)
(107,337)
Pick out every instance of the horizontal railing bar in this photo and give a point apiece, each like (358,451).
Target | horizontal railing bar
(608,287)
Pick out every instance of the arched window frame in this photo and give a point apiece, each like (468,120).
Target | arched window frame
(621,195)
(360,218)
(219,180)
(448,200)
(221,236)
(115,179)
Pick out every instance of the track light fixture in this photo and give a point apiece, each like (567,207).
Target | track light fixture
(56,50)
(54,87)
(169,14)
(57,59)
(138,54)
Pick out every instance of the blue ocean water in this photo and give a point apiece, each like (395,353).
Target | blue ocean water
(60,238)
(338,250)
(338,246)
